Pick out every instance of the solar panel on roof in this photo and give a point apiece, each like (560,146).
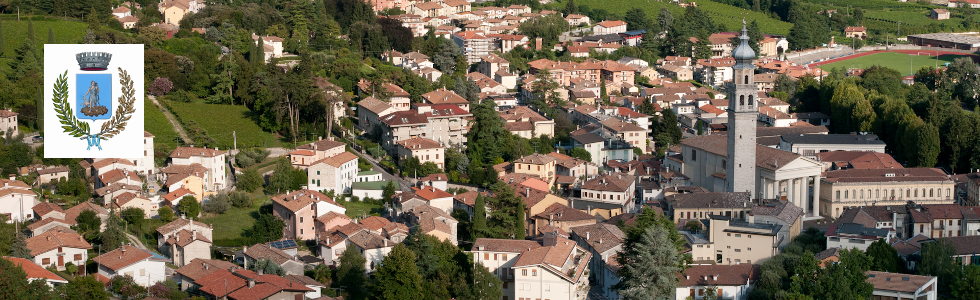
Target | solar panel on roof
(284,244)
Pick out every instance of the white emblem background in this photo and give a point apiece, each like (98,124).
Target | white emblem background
(126,144)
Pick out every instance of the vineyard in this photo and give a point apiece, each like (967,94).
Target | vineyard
(65,32)
(729,16)
(220,126)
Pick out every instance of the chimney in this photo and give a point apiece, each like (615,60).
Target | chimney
(205,266)
(527,191)
(687,276)
(251,281)
(319,138)
(12,177)
(261,272)
(386,243)
(587,235)
(715,277)
(750,218)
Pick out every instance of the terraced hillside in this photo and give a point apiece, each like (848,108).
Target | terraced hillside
(725,14)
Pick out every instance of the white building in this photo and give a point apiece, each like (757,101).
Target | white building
(8,122)
(16,200)
(609,27)
(902,286)
(212,159)
(55,248)
(810,144)
(553,269)
(729,281)
(145,164)
(335,173)
(144,267)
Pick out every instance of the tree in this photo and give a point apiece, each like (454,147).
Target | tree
(93,20)
(519,232)
(884,257)
(249,181)
(166,214)
(133,215)
(218,204)
(222,90)
(445,59)
(398,277)
(548,28)
(648,262)
(161,86)
(486,285)
(665,19)
(114,235)
(267,228)
(937,260)
(844,280)
(580,153)
(51,35)
(924,149)
(299,179)
(667,132)
(189,206)
(636,19)
(967,285)
(268,267)
(570,8)
(83,288)
(479,218)
(126,287)
(19,249)
(389,190)
(350,274)
(3,41)
(693,226)
(13,279)
(281,178)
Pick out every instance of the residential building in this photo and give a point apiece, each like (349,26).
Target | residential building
(435,222)
(609,27)
(939,14)
(36,272)
(187,246)
(561,218)
(567,166)
(425,150)
(856,187)
(551,269)
(902,286)
(537,164)
(576,19)
(696,206)
(730,239)
(16,200)
(173,11)
(125,177)
(192,178)
(527,123)
(490,64)
(334,173)
(289,264)
(306,155)
(715,72)
(474,44)
(272,46)
(631,133)
(728,281)
(966,247)
(103,165)
(603,241)
(71,214)
(8,122)
(242,284)
(448,123)
(131,200)
(214,160)
(783,213)
(52,173)
(171,230)
(369,113)
(944,220)
(188,274)
(810,144)
(146,268)
(607,195)
(771,46)
(856,32)
(438,180)
(675,72)
(326,222)
(56,248)
(721,44)
(300,209)
(854,232)
(433,197)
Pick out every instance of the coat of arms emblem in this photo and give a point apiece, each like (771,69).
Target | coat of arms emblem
(93,102)
(93,99)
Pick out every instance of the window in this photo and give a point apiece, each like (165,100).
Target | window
(78,257)
(59,248)
(142,272)
(877,194)
(908,193)
(495,256)
(694,155)
(738,235)
(729,234)
(750,236)
(845,194)
(505,286)
(534,272)
(301,231)
(46,261)
(523,272)
(930,193)
(505,256)
(486,256)
(738,250)
(947,192)
(749,249)
(547,287)
(838,195)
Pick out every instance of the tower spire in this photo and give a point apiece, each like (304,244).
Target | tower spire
(740,173)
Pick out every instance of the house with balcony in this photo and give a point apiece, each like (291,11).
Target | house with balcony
(212,159)
(146,268)
(56,248)
(300,210)
(474,44)
(551,268)
(607,195)
(305,155)
(336,173)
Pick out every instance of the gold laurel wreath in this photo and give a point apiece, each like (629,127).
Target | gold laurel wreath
(81,130)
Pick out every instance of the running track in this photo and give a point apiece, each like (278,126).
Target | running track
(941,53)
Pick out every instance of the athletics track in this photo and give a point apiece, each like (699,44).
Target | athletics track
(941,53)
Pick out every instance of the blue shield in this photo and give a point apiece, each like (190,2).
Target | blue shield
(93,96)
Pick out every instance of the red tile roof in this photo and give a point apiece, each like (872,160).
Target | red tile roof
(430,193)
(51,240)
(727,275)
(35,271)
(300,199)
(337,160)
(122,257)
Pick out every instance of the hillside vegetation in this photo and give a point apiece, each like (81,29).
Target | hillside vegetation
(65,32)
(727,15)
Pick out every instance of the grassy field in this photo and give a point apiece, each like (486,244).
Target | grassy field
(356,208)
(157,124)
(725,14)
(220,120)
(230,228)
(65,32)
(897,61)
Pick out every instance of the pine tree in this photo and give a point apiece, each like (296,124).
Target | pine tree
(479,218)
(281,178)
(114,235)
(389,191)
(93,20)
(520,232)
(649,263)
(19,249)
(25,60)
(570,8)
(398,277)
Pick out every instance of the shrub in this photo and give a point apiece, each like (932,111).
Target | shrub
(218,204)
(161,86)
(249,181)
(166,214)
(241,199)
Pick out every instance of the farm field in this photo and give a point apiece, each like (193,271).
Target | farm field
(230,228)
(219,120)
(897,61)
(65,32)
(725,14)
(157,124)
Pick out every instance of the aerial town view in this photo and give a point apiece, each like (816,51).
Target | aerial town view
(490,149)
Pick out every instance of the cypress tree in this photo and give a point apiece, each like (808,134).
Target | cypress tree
(30,30)
(19,249)
(519,231)
(50,35)
(40,108)
(479,218)
(3,42)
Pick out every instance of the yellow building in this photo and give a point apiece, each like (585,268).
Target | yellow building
(855,187)
(537,164)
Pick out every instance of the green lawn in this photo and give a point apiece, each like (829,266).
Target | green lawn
(897,61)
(356,208)
(725,14)
(230,227)
(157,124)
(220,120)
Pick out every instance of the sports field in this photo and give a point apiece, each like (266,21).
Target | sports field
(904,63)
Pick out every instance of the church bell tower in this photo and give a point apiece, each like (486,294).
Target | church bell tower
(742,115)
